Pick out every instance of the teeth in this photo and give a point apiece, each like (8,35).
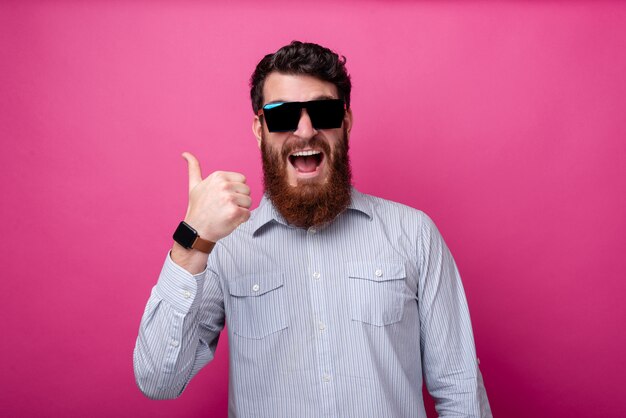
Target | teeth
(305,153)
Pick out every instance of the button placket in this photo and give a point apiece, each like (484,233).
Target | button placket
(319,286)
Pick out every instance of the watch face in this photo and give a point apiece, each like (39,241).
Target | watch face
(185,235)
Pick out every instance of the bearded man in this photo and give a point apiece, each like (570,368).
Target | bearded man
(338,304)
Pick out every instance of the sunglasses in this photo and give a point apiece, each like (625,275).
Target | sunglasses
(285,116)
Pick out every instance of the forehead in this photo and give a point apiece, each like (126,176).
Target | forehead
(296,88)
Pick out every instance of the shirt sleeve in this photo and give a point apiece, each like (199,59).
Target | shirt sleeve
(449,360)
(179,330)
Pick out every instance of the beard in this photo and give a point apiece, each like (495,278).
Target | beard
(309,203)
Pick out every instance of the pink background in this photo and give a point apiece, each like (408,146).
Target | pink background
(503,121)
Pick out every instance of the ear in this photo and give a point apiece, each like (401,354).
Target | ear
(347,120)
(257,129)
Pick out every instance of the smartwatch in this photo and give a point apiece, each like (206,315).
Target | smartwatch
(188,237)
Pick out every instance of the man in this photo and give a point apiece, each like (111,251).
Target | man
(337,302)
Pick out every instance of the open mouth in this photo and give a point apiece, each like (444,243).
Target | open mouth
(306,161)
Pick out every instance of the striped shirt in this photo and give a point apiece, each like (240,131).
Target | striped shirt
(343,320)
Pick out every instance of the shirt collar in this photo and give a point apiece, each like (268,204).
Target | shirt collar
(266,212)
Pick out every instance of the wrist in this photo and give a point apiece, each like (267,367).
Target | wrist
(193,261)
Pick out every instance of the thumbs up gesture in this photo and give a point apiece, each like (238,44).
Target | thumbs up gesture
(217,204)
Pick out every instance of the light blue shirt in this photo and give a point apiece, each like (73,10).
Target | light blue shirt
(337,321)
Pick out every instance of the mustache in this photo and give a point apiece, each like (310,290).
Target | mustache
(317,142)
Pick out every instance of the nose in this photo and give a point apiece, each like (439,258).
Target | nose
(305,126)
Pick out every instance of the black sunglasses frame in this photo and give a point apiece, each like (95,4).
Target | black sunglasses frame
(285,116)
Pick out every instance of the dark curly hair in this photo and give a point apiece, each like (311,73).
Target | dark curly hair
(301,58)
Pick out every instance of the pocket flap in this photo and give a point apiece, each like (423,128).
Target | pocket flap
(256,284)
(378,271)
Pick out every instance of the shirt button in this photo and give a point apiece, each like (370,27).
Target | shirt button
(187,294)
(321,326)
(256,288)
(312,230)
(378,273)
(174,343)
(326,377)
(316,275)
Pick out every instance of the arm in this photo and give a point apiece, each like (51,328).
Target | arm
(179,331)
(185,313)
(448,353)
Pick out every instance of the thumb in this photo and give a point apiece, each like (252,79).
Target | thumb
(195,173)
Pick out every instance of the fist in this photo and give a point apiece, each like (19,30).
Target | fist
(217,204)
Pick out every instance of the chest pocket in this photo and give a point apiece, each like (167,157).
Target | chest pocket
(377,291)
(258,305)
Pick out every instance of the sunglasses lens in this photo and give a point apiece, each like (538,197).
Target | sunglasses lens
(285,117)
(326,114)
(282,117)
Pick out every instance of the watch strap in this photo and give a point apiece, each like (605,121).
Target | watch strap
(203,245)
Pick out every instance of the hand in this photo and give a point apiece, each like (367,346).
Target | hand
(218,204)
